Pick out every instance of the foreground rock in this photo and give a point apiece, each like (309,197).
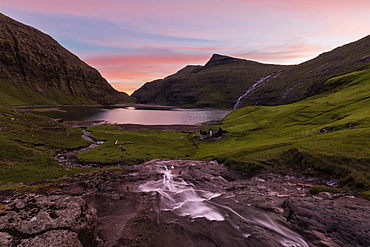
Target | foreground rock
(254,211)
(38,220)
(343,219)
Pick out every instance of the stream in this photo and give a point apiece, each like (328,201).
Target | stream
(211,214)
(66,158)
(184,203)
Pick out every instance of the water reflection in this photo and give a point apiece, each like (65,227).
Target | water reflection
(136,115)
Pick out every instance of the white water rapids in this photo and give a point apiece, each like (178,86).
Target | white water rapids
(251,228)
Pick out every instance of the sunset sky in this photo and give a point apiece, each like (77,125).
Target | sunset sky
(135,41)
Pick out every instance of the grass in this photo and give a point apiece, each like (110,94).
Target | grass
(27,144)
(326,135)
(134,147)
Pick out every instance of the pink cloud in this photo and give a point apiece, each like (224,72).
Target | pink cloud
(295,49)
(309,5)
(146,58)
(135,70)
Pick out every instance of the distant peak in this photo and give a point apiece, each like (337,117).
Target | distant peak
(218,56)
(218,59)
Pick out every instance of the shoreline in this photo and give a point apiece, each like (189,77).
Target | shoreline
(97,105)
(137,127)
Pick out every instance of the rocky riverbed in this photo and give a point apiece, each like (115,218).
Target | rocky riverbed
(182,203)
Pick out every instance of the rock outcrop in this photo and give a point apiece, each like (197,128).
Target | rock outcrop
(337,218)
(263,207)
(38,220)
(36,69)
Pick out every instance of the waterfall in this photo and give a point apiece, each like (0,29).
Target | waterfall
(181,197)
(254,86)
(173,194)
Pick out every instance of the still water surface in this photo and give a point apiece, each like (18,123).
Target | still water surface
(139,115)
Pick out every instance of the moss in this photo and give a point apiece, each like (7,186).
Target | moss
(315,189)
(366,195)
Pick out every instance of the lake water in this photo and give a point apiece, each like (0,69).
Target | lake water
(138,115)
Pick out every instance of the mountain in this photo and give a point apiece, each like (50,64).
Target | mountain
(35,69)
(231,83)
(218,83)
(307,79)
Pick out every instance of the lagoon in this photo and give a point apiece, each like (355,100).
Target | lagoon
(145,115)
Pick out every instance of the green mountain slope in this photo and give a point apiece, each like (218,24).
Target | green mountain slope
(36,69)
(307,79)
(219,83)
(229,82)
(325,134)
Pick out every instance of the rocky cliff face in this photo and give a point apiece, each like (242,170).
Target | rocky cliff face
(36,69)
(229,82)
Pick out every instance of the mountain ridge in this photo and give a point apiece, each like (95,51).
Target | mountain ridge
(282,84)
(218,83)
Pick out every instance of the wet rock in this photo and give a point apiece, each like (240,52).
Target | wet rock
(53,238)
(5,239)
(30,218)
(73,189)
(344,220)
(127,216)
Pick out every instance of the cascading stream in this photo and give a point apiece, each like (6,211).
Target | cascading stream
(252,228)
(181,198)
(253,87)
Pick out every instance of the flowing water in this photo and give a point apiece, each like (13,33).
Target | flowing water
(211,216)
(253,87)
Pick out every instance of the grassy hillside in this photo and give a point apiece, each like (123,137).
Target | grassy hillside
(283,138)
(288,137)
(27,144)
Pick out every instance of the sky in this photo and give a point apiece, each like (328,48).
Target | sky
(136,41)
